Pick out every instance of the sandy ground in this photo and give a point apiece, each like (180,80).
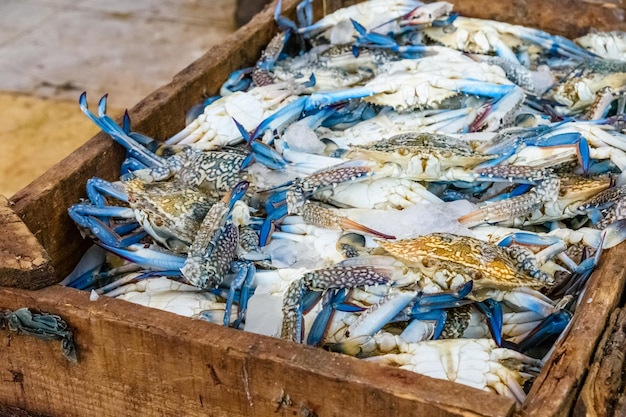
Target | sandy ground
(52,50)
(35,134)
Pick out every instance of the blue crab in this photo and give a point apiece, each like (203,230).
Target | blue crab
(212,254)
(489,37)
(475,362)
(434,263)
(552,196)
(580,88)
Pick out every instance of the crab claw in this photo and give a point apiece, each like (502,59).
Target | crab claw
(331,303)
(338,276)
(546,187)
(328,218)
(377,40)
(260,152)
(554,324)
(134,148)
(147,258)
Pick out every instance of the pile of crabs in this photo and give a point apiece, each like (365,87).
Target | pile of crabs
(393,181)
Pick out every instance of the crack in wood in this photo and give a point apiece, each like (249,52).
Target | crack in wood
(17,377)
(283,400)
(246,383)
(216,380)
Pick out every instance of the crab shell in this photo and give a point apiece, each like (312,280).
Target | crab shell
(488,265)
(423,156)
(170,215)
(578,89)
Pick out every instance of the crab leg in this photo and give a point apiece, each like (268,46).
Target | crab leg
(337,276)
(215,244)
(554,324)
(546,190)
(147,258)
(133,148)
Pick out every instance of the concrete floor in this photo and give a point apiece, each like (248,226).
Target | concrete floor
(52,50)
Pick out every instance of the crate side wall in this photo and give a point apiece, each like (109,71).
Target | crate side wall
(138,361)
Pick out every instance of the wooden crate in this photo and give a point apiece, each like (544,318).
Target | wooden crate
(604,391)
(137,361)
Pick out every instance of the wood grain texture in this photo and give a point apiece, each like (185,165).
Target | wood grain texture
(604,391)
(23,261)
(570,18)
(135,361)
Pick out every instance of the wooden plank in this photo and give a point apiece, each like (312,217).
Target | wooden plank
(6,411)
(570,18)
(134,361)
(604,391)
(23,261)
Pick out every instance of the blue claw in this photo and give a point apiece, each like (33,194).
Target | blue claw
(304,12)
(261,152)
(280,119)
(268,226)
(236,81)
(555,43)
(554,324)
(97,186)
(147,258)
(318,330)
(529,239)
(310,299)
(133,148)
(283,22)
(238,191)
(492,310)
(567,139)
(376,40)
(518,190)
(428,302)
(242,282)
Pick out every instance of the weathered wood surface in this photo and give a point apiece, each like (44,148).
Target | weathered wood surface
(604,392)
(23,261)
(570,18)
(16,412)
(136,361)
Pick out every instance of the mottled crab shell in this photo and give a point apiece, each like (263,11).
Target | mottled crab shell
(578,89)
(170,214)
(486,264)
(408,149)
